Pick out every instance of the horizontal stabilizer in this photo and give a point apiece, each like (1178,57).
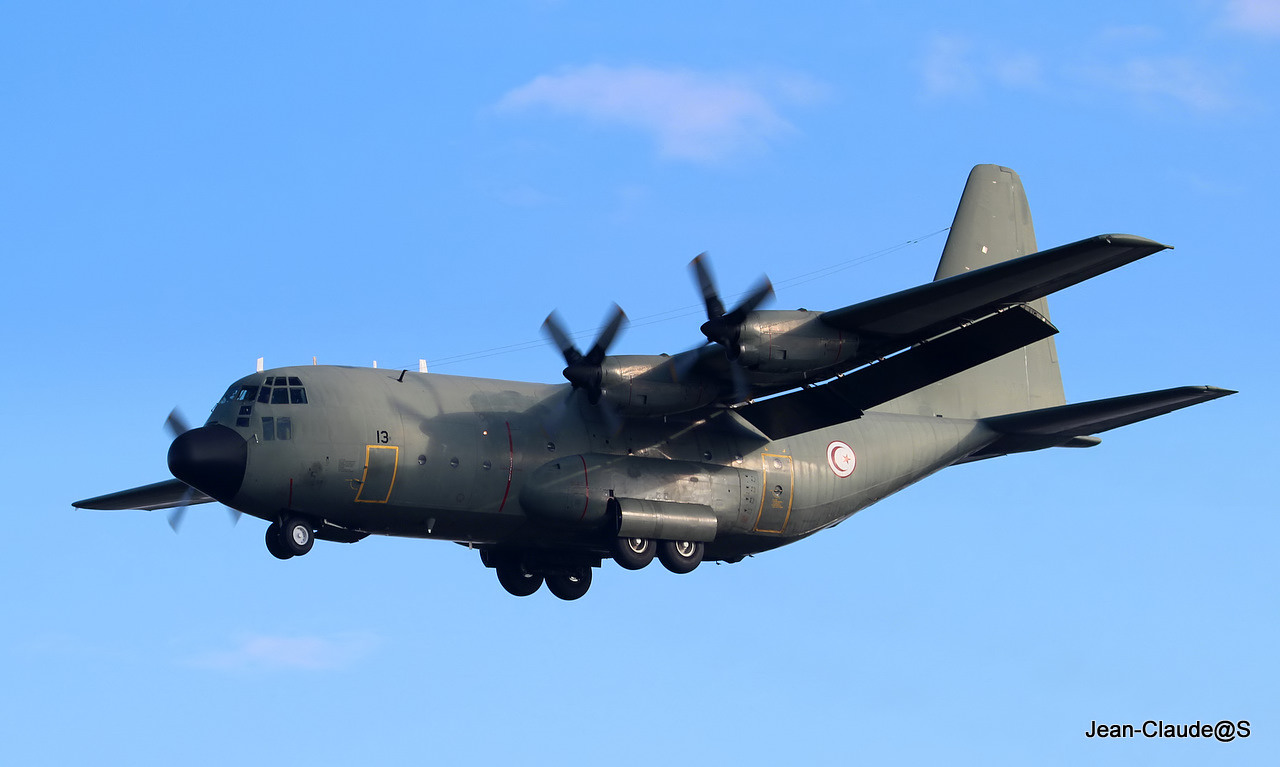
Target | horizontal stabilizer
(849,396)
(162,495)
(1070,425)
(933,308)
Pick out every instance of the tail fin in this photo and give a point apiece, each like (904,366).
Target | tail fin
(992,224)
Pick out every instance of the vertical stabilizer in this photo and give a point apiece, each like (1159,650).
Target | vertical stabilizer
(992,224)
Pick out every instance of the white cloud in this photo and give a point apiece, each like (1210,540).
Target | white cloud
(956,66)
(1259,17)
(959,67)
(1183,80)
(692,115)
(948,68)
(282,652)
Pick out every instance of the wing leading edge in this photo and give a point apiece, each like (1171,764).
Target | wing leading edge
(908,316)
(168,494)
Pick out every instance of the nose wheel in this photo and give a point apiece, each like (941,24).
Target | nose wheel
(291,538)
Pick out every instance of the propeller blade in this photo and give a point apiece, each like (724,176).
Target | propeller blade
(555,419)
(758,295)
(553,328)
(612,420)
(741,391)
(180,512)
(176,423)
(702,272)
(607,336)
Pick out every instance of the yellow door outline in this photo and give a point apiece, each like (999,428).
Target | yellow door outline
(767,496)
(368,462)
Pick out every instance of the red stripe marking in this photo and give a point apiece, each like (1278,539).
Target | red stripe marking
(511,467)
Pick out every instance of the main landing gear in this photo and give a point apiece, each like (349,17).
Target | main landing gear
(677,556)
(291,537)
(523,573)
(568,574)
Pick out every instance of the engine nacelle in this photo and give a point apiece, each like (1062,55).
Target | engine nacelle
(643,497)
(792,342)
(645,386)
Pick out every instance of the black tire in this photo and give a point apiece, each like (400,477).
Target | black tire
(680,556)
(570,586)
(517,581)
(275,545)
(296,536)
(634,553)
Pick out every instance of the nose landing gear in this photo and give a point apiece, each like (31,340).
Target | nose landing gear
(291,537)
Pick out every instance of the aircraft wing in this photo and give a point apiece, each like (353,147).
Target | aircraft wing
(900,319)
(161,495)
(848,396)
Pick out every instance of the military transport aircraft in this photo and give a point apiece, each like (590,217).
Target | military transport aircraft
(786,423)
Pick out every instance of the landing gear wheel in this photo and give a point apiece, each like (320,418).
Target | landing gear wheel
(680,556)
(634,553)
(570,586)
(296,537)
(274,543)
(517,581)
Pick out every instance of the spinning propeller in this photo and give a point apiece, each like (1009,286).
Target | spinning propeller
(585,372)
(725,328)
(721,327)
(177,426)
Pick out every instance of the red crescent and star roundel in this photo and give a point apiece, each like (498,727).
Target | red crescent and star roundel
(841,459)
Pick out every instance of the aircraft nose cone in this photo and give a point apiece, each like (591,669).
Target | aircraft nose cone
(211,459)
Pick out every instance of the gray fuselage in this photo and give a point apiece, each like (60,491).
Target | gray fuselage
(508,464)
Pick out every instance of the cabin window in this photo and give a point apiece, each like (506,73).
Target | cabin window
(268,429)
(284,428)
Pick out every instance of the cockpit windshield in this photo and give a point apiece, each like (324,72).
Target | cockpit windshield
(276,390)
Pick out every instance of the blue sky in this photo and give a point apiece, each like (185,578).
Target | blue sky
(187,187)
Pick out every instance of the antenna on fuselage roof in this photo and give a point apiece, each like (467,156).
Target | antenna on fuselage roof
(260,360)
(422,366)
